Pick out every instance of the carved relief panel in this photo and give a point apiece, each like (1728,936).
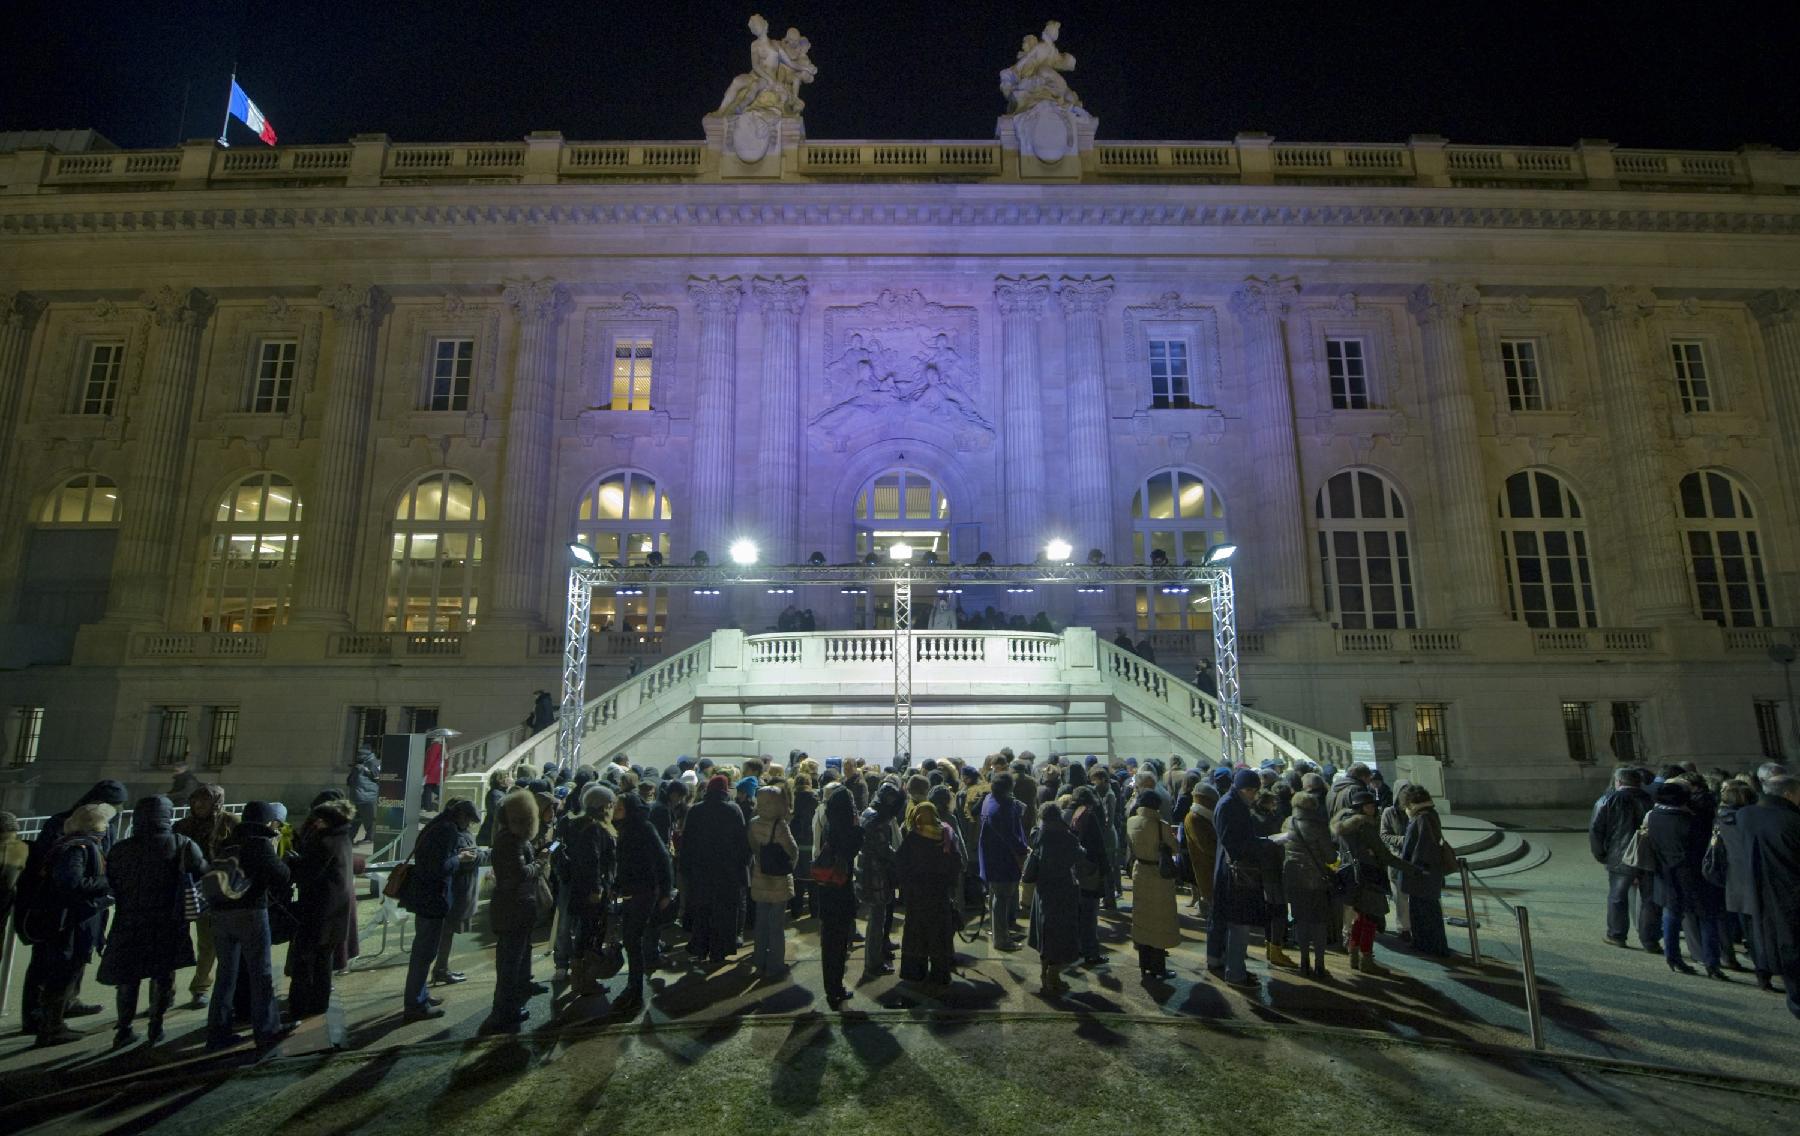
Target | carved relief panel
(901,358)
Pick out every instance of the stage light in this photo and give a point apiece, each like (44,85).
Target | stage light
(817,560)
(1096,557)
(581,553)
(899,550)
(1220,553)
(655,559)
(701,559)
(1058,550)
(743,552)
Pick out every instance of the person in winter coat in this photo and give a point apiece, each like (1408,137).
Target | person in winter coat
(771,891)
(1358,832)
(928,866)
(521,892)
(836,851)
(107,792)
(584,869)
(68,918)
(1092,870)
(363,788)
(880,845)
(1155,927)
(1002,852)
(148,873)
(325,877)
(645,881)
(715,856)
(1393,833)
(500,782)
(429,893)
(1057,901)
(1740,875)
(465,886)
(1306,874)
(210,826)
(13,854)
(241,931)
(1616,818)
(1239,904)
(1202,842)
(1351,780)
(1423,847)
(1772,829)
(806,808)
(1678,841)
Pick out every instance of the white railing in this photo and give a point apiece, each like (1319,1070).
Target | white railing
(1593,640)
(803,652)
(1401,641)
(199,645)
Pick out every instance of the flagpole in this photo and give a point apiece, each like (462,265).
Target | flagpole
(226,126)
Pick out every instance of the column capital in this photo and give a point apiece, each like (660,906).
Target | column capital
(715,296)
(779,293)
(1618,302)
(171,306)
(20,309)
(1022,295)
(1085,294)
(1265,296)
(535,301)
(1442,301)
(1778,306)
(353,301)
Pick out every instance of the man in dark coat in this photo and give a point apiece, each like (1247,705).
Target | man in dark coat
(363,788)
(1238,905)
(147,873)
(1773,829)
(715,856)
(67,920)
(106,792)
(1000,848)
(880,846)
(429,895)
(645,880)
(241,932)
(1616,818)
(464,892)
(325,876)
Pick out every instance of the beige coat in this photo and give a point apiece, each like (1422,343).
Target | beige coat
(1153,919)
(770,823)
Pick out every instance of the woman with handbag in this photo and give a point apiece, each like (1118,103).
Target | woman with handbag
(521,892)
(1423,847)
(150,873)
(834,860)
(1058,902)
(1155,928)
(1091,870)
(1307,879)
(1358,831)
(772,864)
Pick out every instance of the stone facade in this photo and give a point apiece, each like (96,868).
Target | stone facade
(835,311)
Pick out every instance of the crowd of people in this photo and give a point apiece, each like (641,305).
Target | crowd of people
(630,868)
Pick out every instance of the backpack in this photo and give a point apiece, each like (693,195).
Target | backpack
(772,859)
(224,881)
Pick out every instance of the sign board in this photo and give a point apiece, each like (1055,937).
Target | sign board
(397,791)
(1374,748)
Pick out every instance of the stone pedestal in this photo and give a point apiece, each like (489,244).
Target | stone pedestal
(1047,143)
(756,145)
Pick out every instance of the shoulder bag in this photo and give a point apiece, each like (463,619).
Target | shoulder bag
(1637,853)
(1165,856)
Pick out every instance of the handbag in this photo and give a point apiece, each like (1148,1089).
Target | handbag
(1339,882)
(193,904)
(1165,857)
(396,881)
(1715,866)
(1033,868)
(828,870)
(1638,854)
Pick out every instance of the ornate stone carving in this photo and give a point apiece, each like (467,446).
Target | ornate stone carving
(1045,112)
(1689,306)
(20,309)
(1265,296)
(1345,304)
(353,301)
(105,309)
(901,354)
(715,296)
(1022,295)
(757,101)
(1088,294)
(1519,305)
(1438,300)
(170,307)
(1778,306)
(779,293)
(1618,301)
(535,301)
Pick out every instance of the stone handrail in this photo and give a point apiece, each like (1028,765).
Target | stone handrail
(545,158)
(771,657)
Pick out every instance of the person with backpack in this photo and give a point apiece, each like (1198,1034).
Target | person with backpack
(881,841)
(149,873)
(67,920)
(33,879)
(521,893)
(773,854)
(237,888)
(363,786)
(834,869)
(209,826)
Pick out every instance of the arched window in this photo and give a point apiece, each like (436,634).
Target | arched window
(1725,560)
(436,554)
(625,517)
(1176,514)
(899,506)
(1544,544)
(1365,554)
(250,562)
(86,499)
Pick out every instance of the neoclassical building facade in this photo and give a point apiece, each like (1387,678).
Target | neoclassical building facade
(293,439)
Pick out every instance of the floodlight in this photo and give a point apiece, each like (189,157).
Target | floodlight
(899,550)
(743,552)
(581,553)
(1220,553)
(1058,550)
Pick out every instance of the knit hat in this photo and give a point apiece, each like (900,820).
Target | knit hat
(748,786)
(1360,798)
(259,812)
(1246,779)
(106,792)
(690,778)
(717,783)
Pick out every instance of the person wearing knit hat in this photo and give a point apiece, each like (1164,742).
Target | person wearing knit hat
(715,856)
(1238,899)
(1358,832)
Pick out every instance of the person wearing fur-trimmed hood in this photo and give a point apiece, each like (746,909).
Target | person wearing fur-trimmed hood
(148,872)
(521,891)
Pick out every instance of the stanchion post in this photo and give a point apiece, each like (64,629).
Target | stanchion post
(1533,1007)
(1469,909)
(6,961)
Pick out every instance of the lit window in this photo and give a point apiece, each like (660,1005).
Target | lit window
(631,374)
(436,555)
(1578,730)
(100,379)
(1544,548)
(1725,560)
(221,740)
(900,506)
(1171,379)
(171,735)
(625,517)
(1347,367)
(250,569)
(1428,730)
(1524,379)
(274,388)
(1379,716)
(1365,553)
(1177,514)
(28,737)
(88,499)
(1627,739)
(1691,382)
(452,368)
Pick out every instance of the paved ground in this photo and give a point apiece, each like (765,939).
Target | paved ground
(1598,1001)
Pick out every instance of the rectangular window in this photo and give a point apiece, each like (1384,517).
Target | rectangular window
(1379,716)
(274,387)
(631,373)
(1627,740)
(1524,380)
(1691,380)
(1347,366)
(29,736)
(420,718)
(1577,729)
(100,381)
(1171,379)
(452,368)
(1768,729)
(222,737)
(171,735)
(370,723)
(1428,730)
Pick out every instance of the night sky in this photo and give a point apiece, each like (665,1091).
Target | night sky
(1693,76)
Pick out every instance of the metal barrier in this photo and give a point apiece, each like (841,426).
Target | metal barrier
(1534,1011)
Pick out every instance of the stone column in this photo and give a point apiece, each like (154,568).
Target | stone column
(19,312)
(334,502)
(1022,300)
(778,453)
(715,395)
(159,415)
(525,484)
(1778,313)
(1279,564)
(1658,568)
(1089,455)
(1444,311)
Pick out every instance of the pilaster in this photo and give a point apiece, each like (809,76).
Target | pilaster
(781,300)
(19,312)
(715,391)
(1022,300)
(1778,315)
(1261,305)
(1084,303)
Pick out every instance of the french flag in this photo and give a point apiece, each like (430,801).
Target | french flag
(249,115)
